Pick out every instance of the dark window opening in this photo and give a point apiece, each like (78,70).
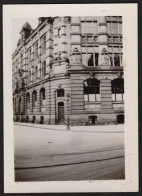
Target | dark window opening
(91,90)
(116,60)
(34,98)
(90,61)
(92,86)
(92,120)
(20,105)
(42,95)
(34,119)
(111,61)
(42,120)
(96,58)
(120,119)
(60,93)
(117,88)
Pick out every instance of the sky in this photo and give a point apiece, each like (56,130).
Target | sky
(17,25)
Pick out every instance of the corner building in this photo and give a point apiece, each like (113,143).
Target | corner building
(69,69)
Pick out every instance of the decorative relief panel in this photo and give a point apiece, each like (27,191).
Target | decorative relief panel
(115,39)
(88,38)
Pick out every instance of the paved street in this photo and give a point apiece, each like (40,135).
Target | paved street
(44,152)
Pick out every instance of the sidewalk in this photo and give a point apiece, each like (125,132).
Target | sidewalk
(91,128)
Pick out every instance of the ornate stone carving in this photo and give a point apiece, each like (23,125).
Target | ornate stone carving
(59,58)
(88,38)
(115,39)
(92,74)
(104,59)
(76,57)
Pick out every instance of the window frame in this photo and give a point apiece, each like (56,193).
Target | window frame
(91,89)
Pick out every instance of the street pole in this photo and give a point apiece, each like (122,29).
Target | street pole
(68,120)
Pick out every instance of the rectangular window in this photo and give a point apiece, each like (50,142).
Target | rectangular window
(30,76)
(43,43)
(21,59)
(36,72)
(43,69)
(114,25)
(36,50)
(96,59)
(29,55)
(89,27)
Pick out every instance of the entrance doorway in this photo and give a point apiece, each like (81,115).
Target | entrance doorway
(120,119)
(61,113)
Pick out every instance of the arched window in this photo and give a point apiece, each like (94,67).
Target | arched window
(34,96)
(60,93)
(42,96)
(59,31)
(91,90)
(28,100)
(117,87)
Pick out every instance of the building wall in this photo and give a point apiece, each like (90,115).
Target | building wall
(55,56)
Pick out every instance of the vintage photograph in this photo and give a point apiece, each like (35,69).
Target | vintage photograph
(68,98)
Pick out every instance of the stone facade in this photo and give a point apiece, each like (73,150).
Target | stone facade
(69,68)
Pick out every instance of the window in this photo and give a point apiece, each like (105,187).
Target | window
(28,100)
(30,76)
(36,49)
(114,25)
(96,58)
(29,55)
(120,119)
(42,96)
(92,120)
(21,59)
(89,27)
(90,61)
(20,105)
(90,56)
(36,72)
(116,60)
(43,43)
(60,93)
(115,55)
(43,69)
(91,90)
(117,86)
(59,32)
(34,98)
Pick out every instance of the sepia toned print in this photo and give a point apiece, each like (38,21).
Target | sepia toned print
(68,99)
